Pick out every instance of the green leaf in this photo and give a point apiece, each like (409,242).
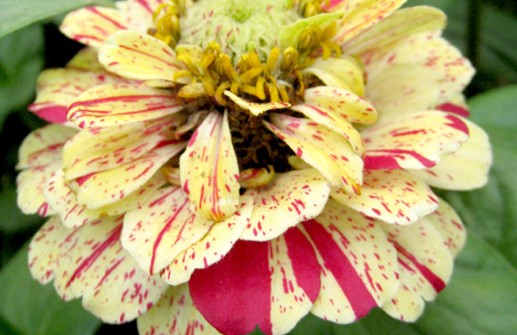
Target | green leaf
(21,60)
(29,308)
(481,299)
(21,13)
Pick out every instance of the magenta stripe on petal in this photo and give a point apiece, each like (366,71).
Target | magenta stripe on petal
(388,160)
(341,268)
(50,113)
(455,109)
(234,294)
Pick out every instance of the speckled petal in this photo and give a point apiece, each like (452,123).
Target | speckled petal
(174,314)
(107,187)
(86,59)
(349,76)
(392,196)
(30,189)
(271,285)
(113,104)
(209,171)
(140,13)
(94,265)
(399,25)
(139,56)
(425,264)
(360,269)
(100,149)
(57,88)
(44,249)
(361,15)
(93,25)
(413,140)
(449,225)
(161,229)
(327,151)
(43,146)
(418,73)
(255,108)
(289,199)
(465,169)
(211,248)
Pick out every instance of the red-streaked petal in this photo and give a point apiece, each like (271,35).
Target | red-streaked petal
(93,25)
(57,88)
(139,56)
(43,146)
(361,15)
(99,149)
(211,248)
(399,25)
(209,170)
(140,13)
(94,265)
(161,229)
(413,141)
(464,169)
(174,313)
(44,249)
(30,189)
(449,225)
(360,269)
(107,187)
(425,264)
(289,199)
(271,285)
(325,150)
(392,196)
(113,104)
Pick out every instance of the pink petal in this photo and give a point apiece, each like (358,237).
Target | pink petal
(359,264)
(393,196)
(413,141)
(209,170)
(271,285)
(289,199)
(161,229)
(113,104)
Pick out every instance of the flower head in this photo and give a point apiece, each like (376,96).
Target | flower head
(222,165)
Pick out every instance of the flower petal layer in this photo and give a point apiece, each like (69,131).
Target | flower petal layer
(99,149)
(289,199)
(161,229)
(211,248)
(399,25)
(93,25)
(271,285)
(327,151)
(255,108)
(359,264)
(209,170)
(94,265)
(57,88)
(448,223)
(139,56)
(413,140)
(107,187)
(349,76)
(465,169)
(425,267)
(393,196)
(360,15)
(30,189)
(174,313)
(113,104)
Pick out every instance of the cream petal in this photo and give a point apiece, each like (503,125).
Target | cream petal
(174,313)
(326,151)
(465,169)
(139,56)
(30,189)
(94,265)
(449,225)
(413,141)
(392,196)
(93,25)
(161,229)
(211,248)
(114,104)
(359,265)
(209,170)
(255,108)
(289,199)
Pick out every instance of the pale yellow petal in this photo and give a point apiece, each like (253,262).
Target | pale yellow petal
(255,108)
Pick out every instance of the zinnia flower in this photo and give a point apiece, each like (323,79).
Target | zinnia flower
(214,166)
